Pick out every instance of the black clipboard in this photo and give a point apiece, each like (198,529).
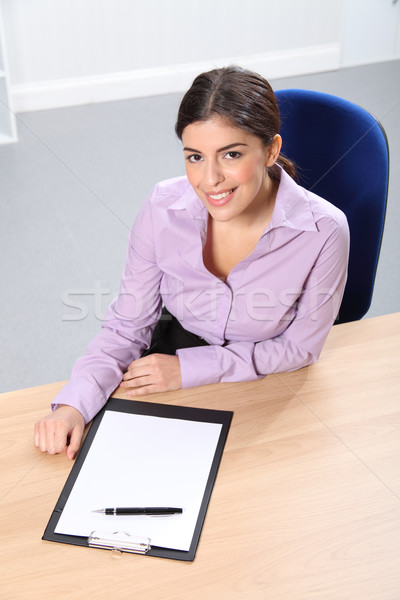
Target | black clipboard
(143,546)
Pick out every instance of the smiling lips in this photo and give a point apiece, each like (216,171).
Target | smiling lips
(220,199)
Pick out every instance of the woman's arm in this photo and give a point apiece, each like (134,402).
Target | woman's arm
(126,329)
(302,341)
(125,333)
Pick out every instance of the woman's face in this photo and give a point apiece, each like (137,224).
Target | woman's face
(226,167)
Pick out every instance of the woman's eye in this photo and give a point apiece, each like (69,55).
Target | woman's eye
(194,158)
(233,154)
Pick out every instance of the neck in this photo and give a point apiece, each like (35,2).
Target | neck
(259,213)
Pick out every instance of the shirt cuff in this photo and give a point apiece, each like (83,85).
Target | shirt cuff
(199,366)
(83,395)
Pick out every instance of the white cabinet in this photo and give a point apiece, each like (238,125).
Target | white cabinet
(8,129)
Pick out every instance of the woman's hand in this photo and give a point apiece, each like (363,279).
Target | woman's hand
(61,430)
(153,373)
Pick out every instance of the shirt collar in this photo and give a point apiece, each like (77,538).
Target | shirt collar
(292,205)
(190,202)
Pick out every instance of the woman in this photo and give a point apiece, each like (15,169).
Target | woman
(249,266)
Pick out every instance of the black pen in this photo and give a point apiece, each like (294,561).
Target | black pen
(145,510)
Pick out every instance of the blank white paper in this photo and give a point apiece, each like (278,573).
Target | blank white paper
(141,460)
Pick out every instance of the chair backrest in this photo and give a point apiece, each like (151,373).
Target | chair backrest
(342,154)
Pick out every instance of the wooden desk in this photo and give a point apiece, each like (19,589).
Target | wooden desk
(306,504)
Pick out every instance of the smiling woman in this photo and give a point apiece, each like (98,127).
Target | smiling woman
(233,272)
(229,168)
(229,174)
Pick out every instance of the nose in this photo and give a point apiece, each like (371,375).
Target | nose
(213,174)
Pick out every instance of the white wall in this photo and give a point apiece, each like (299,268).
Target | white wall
(371,31)
(66,52)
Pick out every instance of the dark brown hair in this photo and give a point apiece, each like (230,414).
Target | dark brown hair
(242,97)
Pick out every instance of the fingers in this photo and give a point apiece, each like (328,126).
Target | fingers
(154,373)
(142,391)
(51,436)
(75,440)
(140,367)
(60,431)
(135,382)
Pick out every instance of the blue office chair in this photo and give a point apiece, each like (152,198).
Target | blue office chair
(341,153)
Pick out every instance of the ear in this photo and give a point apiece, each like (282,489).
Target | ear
(273,150)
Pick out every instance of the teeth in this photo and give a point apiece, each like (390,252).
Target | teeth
(220,196)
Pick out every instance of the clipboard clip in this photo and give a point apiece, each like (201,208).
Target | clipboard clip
(119,540)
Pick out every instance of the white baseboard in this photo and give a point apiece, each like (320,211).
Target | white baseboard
(166,80)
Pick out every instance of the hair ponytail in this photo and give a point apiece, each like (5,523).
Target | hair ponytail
(287,165)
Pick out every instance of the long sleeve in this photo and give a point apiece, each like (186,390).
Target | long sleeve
(127,327)
(302,339)
(272,314)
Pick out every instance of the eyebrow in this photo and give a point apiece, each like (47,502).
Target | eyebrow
(219,149)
